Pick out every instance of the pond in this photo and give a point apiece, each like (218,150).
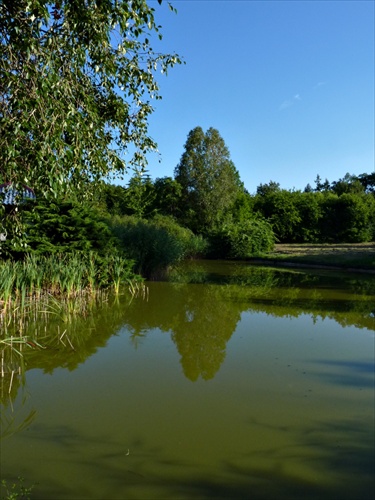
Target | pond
(227,381)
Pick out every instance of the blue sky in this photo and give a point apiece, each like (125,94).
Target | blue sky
(288,84)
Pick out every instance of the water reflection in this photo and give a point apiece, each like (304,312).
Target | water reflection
(348,298)
(279,407)
(200,308)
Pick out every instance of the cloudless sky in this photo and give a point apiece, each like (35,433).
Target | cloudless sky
(288,84)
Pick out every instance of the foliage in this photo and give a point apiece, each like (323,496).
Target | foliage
(191,245)
(139,196)
(368,182)
(76,83)
(309,207)
(321,186)
(242,208)
(15,490)
(349,184)
(348,218)
(66,226)
(319,216)
(267,189)
(168,197)
(64,274)
(242,239)
(279,208)
(112,199)
(154,244)
(210,182)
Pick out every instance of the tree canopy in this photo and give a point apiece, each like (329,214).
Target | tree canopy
(209,179)
(77,78)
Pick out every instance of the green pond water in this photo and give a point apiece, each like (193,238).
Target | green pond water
(227,381)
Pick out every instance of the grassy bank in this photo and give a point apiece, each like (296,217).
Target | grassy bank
(358,256)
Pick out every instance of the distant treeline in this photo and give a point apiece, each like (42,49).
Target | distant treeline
(204,210)
(339,212)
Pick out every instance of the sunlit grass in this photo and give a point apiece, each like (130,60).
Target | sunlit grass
(345,256)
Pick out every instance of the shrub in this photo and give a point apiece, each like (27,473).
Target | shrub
(348,218)
(155,244)
(190,244)
(242,240)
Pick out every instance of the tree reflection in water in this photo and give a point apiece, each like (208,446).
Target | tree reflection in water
(257,435)
(200,308)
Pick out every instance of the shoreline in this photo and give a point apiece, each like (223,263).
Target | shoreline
(328,267)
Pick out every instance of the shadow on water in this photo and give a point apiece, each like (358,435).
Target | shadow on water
(344,448)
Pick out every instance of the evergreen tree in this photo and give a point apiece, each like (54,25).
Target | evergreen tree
(140,195)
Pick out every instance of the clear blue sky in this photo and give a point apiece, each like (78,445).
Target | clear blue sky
(288,84)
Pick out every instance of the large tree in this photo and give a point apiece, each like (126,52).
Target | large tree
(209,179)
(76,82)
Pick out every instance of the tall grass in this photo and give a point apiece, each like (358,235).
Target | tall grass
(58,285)
(44,301)
(60,275)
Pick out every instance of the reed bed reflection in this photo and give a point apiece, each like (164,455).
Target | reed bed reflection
(44,299)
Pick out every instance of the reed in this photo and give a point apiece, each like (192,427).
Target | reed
(59,288)
(67,275)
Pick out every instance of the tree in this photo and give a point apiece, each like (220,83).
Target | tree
(368,182)
(209,180)
(266,189)
(139,195)
(76,79)
(309,207)
(308,188)
(112,199)
(321,186)
(168,194)
(279,208)
(348,218)
(348,184)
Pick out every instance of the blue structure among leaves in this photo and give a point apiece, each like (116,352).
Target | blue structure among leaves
(11,196)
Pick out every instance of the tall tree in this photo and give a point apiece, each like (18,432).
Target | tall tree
(209,179)
(77,77)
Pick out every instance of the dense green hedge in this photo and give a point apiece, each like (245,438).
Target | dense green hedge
(313,217)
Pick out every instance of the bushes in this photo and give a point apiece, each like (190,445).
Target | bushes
(348,218)
(155,244)
(243,239)
(56,227)
(312,217)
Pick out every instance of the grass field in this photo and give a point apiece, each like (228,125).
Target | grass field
(359,256)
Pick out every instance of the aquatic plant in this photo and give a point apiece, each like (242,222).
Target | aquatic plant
(15,489)
(67,275)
